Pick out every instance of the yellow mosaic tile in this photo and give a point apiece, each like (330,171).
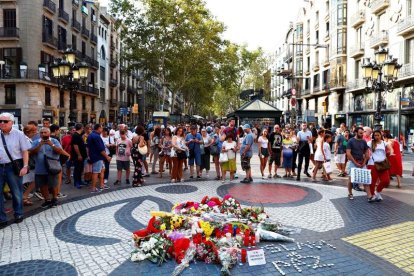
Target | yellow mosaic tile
(394,243)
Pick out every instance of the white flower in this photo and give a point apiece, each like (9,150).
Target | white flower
(262,216)
(138,256)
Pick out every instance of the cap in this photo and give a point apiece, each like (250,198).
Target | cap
(246,126)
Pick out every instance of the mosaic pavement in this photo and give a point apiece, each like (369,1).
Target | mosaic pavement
(92,236)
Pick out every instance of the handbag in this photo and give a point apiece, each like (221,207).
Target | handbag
(214,150)
(181,155)
(52,165)
(202,151)
(143,150)
(327,167)
(223,157)
(16,164)
(383,165)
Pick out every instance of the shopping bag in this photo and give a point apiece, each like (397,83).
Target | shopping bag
(361,176)
(328,168)
(223,157)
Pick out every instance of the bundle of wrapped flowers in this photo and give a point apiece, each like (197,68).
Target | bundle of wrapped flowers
(211,231)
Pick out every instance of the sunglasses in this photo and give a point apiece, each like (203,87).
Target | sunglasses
(4,121)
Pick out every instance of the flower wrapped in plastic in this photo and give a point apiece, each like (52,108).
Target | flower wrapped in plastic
(230,205)
(185,262)
(156,248)
(228,258)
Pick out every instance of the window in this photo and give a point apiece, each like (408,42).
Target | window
(61,98)
(47,27)
(359,38)
(316,80)
(92,52)
(317,18)
(342,14)
(327,28)
(325,78)
(62,38)
(103,54)
(83,102)
(10,90)
(73,15)
(409,7)
(102,94)
(307,86)
(92,104)
(9,18)
(357,69)
(83,48)
(317,36)
(12,58)
(341,42)
(409,51)
(74,43)
(47,96)
(308,64)
(102,73)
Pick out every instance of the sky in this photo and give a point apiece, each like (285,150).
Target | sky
(257,23)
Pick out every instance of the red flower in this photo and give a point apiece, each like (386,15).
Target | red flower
(205,200)
(180,247)
(152,223)
(227,197)
(197,238)
(141,233)
(216,200)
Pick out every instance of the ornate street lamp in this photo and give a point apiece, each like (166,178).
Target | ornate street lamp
(380,76)
(70,75)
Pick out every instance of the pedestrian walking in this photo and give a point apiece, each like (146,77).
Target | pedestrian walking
(246,152)
(155,138)
(339,151)
(66,145)
(137,158)
(165,154)
(218,145)
(110,148)
(394,159)
(14,149)
(78,155)
(275,140)
(305,147)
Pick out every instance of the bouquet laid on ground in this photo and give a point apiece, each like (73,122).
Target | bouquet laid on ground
(211,231)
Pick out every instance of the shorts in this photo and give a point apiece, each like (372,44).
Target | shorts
(275,157)
(98,166)
(144,158)
(340,158)
(87,167)
(122,165)
(264,152)
(48,180)
(245,163)
(29,178)
(196,159)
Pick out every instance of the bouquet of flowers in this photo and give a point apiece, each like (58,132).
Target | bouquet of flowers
(156,248)
(186,208)
(228,258)
(254,214)
(230,205)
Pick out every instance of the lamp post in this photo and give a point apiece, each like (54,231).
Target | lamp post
(69,76)
(380,76)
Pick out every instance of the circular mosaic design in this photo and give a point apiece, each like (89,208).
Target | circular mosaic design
(270,194)
(177,189)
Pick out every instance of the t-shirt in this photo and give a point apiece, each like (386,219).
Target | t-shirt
(95,146)
(248,140)
(263,142)
(123,149)
(275,140)
(340,141)
(304,135)
(358,148)
(40,156)
(228,146)
(66,143)
(194,146)
(77,140)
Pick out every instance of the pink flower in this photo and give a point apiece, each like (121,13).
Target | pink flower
(211,204)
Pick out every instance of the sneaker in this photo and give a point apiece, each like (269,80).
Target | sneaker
(30,195)
(191,177)
(378,197)
(269,176)
(351,196)
(236,176)
(246,180)
(53,203)
(182,180)
(106,181)
(104,187)
(250,179)
(263,177)
(46,204)
(371,199)
(39,195)
(95,191)
(276,176)
(60,195)
(127,182)
(117,182)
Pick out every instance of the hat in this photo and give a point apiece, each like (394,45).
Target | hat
(246,126)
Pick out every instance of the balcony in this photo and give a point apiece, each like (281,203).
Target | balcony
(326,62)
(49,5)
(316,88)
(356,84)
(327,16)
(378,6)
(9,33)
(407,70)
(122,86)
(337,83)
(94,39)
(89,89)
(63,16)
(316,67)
(357,19)
(307,72)
(288,57)
(76,25)
(406,26)
(327,37)
(379,40)
(50,40)
(299,52)
(33,74)
(113,82)
(357,51)
(284,72)
(113,103)
(85,32)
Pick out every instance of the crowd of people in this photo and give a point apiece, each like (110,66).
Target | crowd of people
(35,161)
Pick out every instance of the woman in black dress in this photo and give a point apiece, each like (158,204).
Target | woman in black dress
(137,142)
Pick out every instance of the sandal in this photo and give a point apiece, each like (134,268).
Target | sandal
(27,202)
(68,181)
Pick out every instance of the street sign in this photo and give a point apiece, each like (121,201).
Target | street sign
(405,101)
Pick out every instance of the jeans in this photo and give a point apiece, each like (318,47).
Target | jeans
(16,187)
(77,172)
(106,175)
(301,156)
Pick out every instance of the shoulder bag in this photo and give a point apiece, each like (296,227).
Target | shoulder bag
(16,164)
(144,149)
(52,165)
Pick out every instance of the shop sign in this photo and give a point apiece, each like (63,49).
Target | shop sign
(15,112)
(47,113)
(340,116)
